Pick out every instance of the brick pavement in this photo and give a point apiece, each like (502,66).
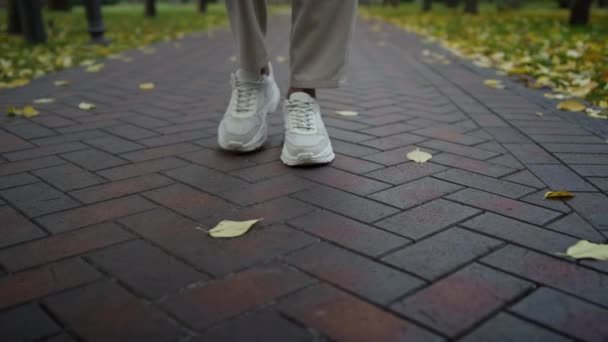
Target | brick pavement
(98,209)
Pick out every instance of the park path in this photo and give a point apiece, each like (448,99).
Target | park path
(99,209)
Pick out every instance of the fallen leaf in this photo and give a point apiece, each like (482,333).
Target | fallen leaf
(496,84)
(346,113)
(588,250)
(281,59)
(95,67)
(230,229)
(232,59)
(539,113)
(146,86)
(13,111)
(30,111)
(418,156)
(62,83)
(596,113)
(558,194)
(86,106)
(571,106)
(44,101)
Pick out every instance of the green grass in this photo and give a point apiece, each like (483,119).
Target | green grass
(533,42)
(67,46)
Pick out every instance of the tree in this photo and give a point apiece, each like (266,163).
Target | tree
(60,5)
(580,11)
(503,5)
(452,3)
(427,5)
(393,3)
(602,3)
(150,8)
(14,23)
(202,6)
(471,7)
(563,3)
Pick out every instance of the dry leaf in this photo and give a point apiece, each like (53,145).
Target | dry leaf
(86,106)
(497,84)
(418,156)
(588,250)
(539,113)
(61,83)
(571,106)
(44,101)
(281,59)
(232,59)
(346,113)
(13,111)
(230,229)
(558,194)
(146,86)
(30,111)
(596,113)
(94,68)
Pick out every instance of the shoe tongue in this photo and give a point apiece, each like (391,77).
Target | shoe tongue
(248,76)
(300,96)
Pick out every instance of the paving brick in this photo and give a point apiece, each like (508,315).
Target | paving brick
(189,126)
(131,132)
(61,338)
(384,119)
(343,317)
(575,225)
(159,152)
(485,183)
(578,148)
(95,213)
(9,142)
(390,129)
(415,193)
(442,253)
(225,298)
(120,188)
(93,160)
(70,137)
(38,199)
(563,275)
(218,257)
(16,228)
(175,138)
(525,177)
(573,139)
(26,323)
(393,157)
(521,233)
(405,172)
(206,179)
(352,150)
(144,121)
(472,165)
(62,246)
(264,325)
(462,150)
(114,145)
(29,131)
(219,160)
(394,141)
(506,327)
(367,278)
(504,206)
(267,190)
(44,151)
(354,165)
(449,135)
(559,177)
(458,302)
(68,177)
(261,172)
(188,201)
(343,180)
(538,198)
(600,183)
(592,206)
(348,233)
(583,158)
(343,124)
(16,180)
(275,211)
(22,287)
(156,274)
(568,315)
(87,126)
(508,161)
(106,312)
(29,165)
(350,136)
(591,170)
(427,219)
(346,204)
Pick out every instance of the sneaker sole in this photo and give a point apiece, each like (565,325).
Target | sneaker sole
(260,137)
(325,157)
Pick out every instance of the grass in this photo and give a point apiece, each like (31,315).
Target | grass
(67,46)
(534,43)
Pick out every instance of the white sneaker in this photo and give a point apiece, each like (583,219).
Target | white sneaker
(306,140)
(244,127)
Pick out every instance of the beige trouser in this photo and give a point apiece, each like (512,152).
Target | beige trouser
(321,35)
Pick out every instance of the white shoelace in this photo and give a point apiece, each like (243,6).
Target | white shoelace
(245,94)
(301,115)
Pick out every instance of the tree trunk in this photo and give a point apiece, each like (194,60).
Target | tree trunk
(602,3)
(202,6)
(14,23)
(150,8)
(471,7)
(60,5)
(452,3)
(580,11)
(393,3)
(427,5)
(563,3)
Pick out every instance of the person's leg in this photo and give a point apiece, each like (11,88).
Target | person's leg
(254,92)
(248,23)
(320,45)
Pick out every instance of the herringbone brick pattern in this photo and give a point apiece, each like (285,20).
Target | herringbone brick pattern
(99,209)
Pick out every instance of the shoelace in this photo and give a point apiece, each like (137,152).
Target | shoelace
(301,115)
(245,94)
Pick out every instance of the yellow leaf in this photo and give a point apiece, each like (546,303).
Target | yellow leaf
(86,106)
(13,111)
(346,113)
(558,194)
(588,250)
(497,84)
(539,113)
(146,86)
(61,83)
(30,111)
(604,104)
(229,229)
(20,82)
(44,101)
(94,67)
(596,113)
(87,62)
(418,156)
(571,106)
